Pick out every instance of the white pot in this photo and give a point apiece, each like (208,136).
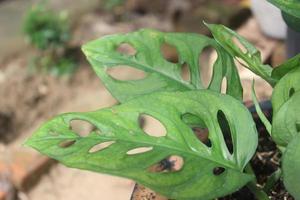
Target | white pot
(269,18)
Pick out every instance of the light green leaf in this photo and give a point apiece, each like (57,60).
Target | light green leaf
(196,179)
(246,54)
(285,88)
(291,7)
(291,166)
(286,67)
(286,122)
(161,75)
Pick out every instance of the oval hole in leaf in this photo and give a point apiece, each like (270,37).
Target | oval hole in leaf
(240,61)
(218,171)
(125,73)
(291,92)
(126,49)
(169,52)
(224,85)
(81,127)
(185,73)
(152,126)
(101,146)
(237,42)
(172,163)
(225,128)
(298,127)
(207,60)
(139,150)
(198,127)
(66,143)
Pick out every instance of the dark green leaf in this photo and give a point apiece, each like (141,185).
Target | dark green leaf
(291,7)
(161,75)
(286,67)
(246,54)
(206,173)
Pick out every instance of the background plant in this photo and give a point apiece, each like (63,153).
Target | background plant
(49,32)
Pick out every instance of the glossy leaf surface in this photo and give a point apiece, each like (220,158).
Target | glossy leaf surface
(206,173)
(242,50)
(161,74)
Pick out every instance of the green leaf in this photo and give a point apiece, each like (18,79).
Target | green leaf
(207,172)
(161,75)
(292,21)
(291,7)
(286,121)
(246,53)
(286,67)
(291,166)
(285,88)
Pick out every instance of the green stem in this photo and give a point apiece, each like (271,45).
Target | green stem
(258,192)
(272,180)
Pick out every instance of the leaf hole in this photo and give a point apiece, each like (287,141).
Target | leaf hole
(298,127)
(224,85)
(139,150)
(169,52)
(238,43)
(152,126)
(81,127)
(67,143)
(241,62)
(207,60)
(126,49)
(198,127)
(225,128)
(101,146)
(125,73)
(291,92)
(172,163)
(217,171)
(185,73)
(203,135)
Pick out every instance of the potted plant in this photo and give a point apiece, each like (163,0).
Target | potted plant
(216,165)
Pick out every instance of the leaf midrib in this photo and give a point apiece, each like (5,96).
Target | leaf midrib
(145,143)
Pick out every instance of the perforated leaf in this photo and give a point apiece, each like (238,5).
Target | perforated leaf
(246,53)
(206,173)
(286,122)
(161,75)
(291,166)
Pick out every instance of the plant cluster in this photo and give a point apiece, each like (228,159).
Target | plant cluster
(49,32)
(213,167)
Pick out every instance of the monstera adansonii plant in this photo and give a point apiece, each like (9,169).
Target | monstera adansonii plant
(210,168)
